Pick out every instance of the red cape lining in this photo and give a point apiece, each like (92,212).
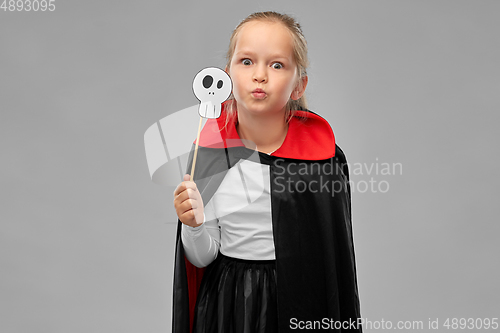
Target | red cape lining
(309,136)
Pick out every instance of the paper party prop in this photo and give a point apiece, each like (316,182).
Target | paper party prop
(212,86)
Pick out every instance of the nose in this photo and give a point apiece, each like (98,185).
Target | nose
(260,74)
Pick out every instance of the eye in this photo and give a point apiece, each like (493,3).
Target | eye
(220,84)
(277,65)
(246,62)
(207,81)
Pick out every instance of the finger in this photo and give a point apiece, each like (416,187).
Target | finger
(186,195)
(188,183)
(191,186)
(181,187)
(188,214)
(182,208)
(193,194)
(180,197)
(187,205)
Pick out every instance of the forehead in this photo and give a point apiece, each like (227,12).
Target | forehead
(259,36)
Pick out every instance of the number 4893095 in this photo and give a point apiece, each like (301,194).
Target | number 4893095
(28,5)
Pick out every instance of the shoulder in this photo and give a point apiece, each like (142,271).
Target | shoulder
(339,153)
(310,137)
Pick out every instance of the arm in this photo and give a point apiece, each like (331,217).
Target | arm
(202,243)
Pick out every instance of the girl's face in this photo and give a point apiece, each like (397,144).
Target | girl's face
(262,68)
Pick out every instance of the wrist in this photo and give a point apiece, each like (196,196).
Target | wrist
(197,223)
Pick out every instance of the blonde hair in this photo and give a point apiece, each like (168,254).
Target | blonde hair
(299,56)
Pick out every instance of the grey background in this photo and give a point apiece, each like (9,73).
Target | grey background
(87,240)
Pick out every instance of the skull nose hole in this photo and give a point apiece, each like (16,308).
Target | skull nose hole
(219,84)
(207,81)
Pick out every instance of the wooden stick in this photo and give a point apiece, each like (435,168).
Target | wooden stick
(196,150)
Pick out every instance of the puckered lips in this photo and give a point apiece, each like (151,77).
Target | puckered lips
(259,93)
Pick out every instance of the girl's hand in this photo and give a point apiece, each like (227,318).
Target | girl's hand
(188,203)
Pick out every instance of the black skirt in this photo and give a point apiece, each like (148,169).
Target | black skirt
(237,295)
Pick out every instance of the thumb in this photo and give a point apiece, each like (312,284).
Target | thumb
(186,177)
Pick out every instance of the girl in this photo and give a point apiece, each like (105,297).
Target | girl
(269,214)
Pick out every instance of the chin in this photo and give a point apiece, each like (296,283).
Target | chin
(261,107)
(258,109)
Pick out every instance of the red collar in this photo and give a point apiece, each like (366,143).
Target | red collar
(309,136)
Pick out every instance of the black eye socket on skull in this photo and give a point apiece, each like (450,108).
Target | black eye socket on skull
(219,84)
(207,81)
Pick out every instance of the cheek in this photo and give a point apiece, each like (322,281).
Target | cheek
(293,85)
(236,85)
(288,88)
(236,90)
(236,82)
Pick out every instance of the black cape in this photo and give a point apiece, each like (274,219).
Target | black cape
(311,216)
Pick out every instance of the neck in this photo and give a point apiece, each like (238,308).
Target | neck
(266,132)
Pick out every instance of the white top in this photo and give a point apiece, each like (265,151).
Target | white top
(237,218)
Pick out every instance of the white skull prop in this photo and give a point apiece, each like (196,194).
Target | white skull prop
(212,86)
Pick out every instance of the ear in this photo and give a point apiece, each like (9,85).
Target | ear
(300,88)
